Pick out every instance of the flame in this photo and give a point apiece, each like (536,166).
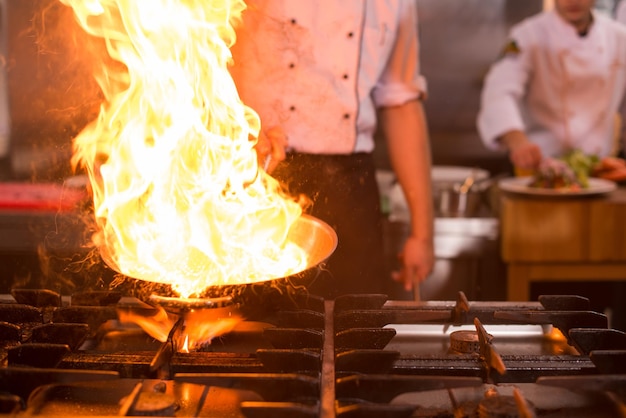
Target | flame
(200,326)
(555,334)
(178,194)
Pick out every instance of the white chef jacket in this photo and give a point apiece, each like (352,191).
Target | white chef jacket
(319,68)
(562,89)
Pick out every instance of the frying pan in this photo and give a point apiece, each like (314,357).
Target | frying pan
(313,235)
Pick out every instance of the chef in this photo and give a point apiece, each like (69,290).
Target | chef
(557,86)
(322,75)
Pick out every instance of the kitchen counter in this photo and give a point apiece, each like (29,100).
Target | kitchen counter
(455,237)
(573,239)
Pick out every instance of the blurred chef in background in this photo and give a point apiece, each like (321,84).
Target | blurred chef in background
(319,72)
(5,121)
(557,86)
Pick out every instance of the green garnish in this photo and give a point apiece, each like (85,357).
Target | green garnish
(582,165)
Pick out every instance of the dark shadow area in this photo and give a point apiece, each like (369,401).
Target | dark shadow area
(602,295)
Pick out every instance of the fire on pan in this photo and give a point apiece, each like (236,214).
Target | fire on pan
(180,198)
(218,309)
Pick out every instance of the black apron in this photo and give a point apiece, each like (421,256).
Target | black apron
(343,193)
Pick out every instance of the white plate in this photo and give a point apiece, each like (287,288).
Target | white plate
(520,185)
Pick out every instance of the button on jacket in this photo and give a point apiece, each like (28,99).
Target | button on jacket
(304,73)
(564,90)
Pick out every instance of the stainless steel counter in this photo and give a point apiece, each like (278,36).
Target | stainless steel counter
(455,237)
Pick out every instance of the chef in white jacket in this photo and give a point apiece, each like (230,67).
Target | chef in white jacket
(323,75)
(558,86)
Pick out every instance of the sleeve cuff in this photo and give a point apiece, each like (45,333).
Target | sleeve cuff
(397,94)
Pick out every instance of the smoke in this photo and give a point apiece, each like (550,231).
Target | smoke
(52,92)
(68,58)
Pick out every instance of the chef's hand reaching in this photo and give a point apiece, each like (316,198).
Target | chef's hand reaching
(417,261)
(522,153)
(271,147)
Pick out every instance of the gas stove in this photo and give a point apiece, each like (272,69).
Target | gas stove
(302,356)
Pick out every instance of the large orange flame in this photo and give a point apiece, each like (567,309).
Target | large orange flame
(201,326)
(178,194)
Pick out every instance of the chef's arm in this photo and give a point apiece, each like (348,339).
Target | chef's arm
(522,152)
(504,88)
(406,131)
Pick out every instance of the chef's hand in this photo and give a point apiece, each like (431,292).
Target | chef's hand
(522,153)
(270,148)
(417,261)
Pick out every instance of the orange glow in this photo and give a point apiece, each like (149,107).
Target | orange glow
(555,334)
(179,196)
(200,327)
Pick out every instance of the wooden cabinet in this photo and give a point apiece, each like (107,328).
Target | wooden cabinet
(562,239)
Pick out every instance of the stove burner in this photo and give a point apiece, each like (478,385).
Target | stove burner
(356,356)
(494,405)
(180,306)
(184,309)
(36,297)
(465,342)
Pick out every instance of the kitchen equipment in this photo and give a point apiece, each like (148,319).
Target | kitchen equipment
(448,198)
(458,191)
(463,193)
(313,235)
(466,247)
(355,356)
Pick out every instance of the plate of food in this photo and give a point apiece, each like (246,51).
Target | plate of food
(525,185)
(574,174)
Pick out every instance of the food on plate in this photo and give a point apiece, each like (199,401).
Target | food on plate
(582,164)
(573,170)
(555,173)
(610,168)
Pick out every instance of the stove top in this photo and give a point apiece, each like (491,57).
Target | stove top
(302,356)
